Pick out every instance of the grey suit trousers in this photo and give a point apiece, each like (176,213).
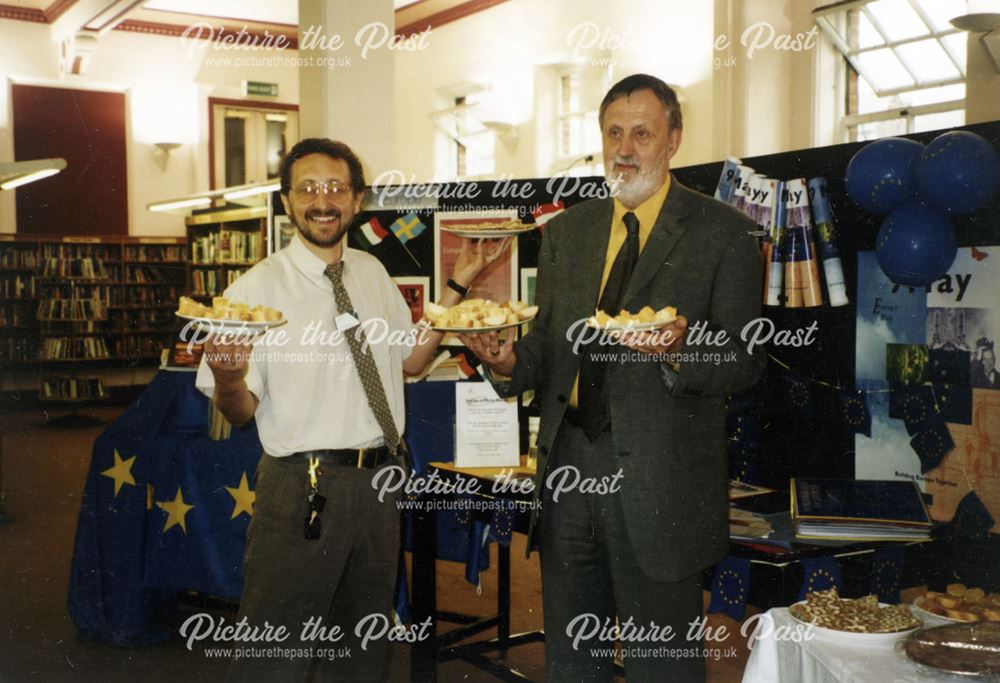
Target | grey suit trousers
(590,575)
(344,576)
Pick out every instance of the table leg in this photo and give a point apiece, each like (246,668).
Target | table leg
(424,654)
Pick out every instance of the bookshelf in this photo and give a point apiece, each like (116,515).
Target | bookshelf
(87,302)
(222,245)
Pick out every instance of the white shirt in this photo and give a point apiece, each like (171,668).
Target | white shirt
(308,386)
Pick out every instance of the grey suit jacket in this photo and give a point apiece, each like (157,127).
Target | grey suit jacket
(668,429)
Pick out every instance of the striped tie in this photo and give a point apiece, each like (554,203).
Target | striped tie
(364,361)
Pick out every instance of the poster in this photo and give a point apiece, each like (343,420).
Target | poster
(935,342)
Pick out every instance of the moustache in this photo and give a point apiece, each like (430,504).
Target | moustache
(625,161)
(316,213)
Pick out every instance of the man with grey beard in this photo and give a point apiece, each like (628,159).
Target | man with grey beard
(638,418)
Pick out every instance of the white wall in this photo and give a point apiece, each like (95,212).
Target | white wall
(166,88)
(504,46)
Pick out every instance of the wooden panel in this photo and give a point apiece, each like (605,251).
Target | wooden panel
(87,129)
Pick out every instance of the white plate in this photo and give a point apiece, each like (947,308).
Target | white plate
(486,233)
(477,330)
(232,326)
(854,639)
(930,617)
(629,327)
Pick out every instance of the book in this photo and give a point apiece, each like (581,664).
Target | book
(858,509)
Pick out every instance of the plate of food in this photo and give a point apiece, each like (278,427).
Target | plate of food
(228,316)
(967,649)
(958,604)
(478,315)
(645,319)
(862,622)
(489,229)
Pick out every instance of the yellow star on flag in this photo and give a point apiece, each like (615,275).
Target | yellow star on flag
(244,498)
(176,510)
(121,472)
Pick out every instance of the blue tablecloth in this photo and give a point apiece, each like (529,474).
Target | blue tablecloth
(164,509)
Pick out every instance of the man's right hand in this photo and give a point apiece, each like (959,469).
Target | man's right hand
(228,360)
(494,351)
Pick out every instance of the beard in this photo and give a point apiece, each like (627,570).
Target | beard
(640,186)
(301,222)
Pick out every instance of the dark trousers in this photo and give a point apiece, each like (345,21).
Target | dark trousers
(342,578)
(590,575)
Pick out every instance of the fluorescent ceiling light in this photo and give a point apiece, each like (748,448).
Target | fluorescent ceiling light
(250,191)
(19,173)
(179,203)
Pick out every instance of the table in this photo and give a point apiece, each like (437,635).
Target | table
(818,661)
(426,655)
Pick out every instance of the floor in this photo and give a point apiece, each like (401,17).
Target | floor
(42,475)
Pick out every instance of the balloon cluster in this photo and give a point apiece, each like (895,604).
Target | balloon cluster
(918,186)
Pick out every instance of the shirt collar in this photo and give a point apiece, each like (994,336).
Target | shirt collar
(311,265)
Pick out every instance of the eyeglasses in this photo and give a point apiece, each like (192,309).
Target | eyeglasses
(334,189)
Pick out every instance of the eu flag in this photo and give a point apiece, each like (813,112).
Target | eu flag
(819,574)
(730,586)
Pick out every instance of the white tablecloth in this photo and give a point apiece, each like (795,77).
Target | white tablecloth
(776,658)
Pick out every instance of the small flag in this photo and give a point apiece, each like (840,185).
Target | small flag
(954,402)
(887,564)
(819,574)
(854,411)
(931,444)
(979,255)
(913,404)
(372,233)
(407,227)
(729,587)
(971,520)
(949,367)
(543,213)
(799,397)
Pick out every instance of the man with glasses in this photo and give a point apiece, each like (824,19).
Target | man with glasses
(322,550)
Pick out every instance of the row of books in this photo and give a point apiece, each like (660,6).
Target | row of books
(72,309)
(63,327)
(19,258)
(99,252)
(141,345)
(213,282)
(16,316)
(18,350)
(72,389)
(153,294)
(84,267)
(797,233)
(17,287)
(154,252)
(72,348)
(227,246)
(144,319)
(153,274)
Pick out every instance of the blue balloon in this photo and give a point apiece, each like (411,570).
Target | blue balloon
(959,172)
(882,175)
(916,244)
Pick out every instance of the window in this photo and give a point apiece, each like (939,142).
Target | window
(473,142)
(249,141)
(579,131)
(906,64)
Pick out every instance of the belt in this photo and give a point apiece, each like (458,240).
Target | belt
(361,458)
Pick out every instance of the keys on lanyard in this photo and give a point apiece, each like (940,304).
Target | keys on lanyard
(315,501)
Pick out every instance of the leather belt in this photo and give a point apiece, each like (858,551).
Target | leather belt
(361,458)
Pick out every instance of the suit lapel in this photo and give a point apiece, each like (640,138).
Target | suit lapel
(669,228)
(585,275)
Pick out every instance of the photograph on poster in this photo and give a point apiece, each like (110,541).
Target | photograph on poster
(416,293)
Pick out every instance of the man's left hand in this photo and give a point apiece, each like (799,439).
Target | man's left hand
(668,339)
